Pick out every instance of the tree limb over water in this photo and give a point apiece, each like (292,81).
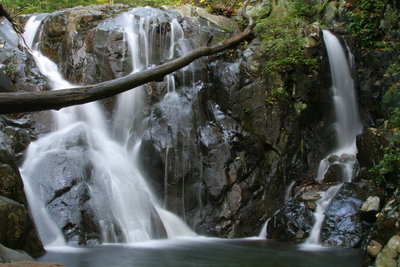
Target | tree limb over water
(19,102)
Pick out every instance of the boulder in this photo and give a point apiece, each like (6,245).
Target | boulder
(371,204)
(16,228)
(370,209)
(292,223)
(64,179)
(342,226)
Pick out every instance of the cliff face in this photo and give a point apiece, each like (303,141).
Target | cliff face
(225,159)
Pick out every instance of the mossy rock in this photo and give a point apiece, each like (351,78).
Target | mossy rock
(11,184)
(17,229)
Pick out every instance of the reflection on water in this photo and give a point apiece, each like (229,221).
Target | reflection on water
(204,252)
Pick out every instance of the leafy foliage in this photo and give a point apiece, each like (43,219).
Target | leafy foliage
(365,18)
(387,171)
(281,39)
(306,9)
(44,6)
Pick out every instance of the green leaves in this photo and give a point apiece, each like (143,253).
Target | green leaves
(387,171)
(44,6)
(365,21)
(281,40)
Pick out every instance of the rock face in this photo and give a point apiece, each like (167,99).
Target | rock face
(85,55)
(223,160)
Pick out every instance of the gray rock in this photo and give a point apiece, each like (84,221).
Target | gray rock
(9,255)
(8,36)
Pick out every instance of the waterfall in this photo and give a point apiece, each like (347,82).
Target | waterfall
(348,125)
(120,197)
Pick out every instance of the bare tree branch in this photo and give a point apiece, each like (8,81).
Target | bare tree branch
(36,101)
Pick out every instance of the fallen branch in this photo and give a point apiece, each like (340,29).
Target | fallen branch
(19,102)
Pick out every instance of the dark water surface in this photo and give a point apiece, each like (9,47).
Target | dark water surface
(204,252)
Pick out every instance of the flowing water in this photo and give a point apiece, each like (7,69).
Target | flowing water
(348,126)
(131,203)
(114,144)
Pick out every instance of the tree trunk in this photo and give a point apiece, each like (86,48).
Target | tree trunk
(36,101)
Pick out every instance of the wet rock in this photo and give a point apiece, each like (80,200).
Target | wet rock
(334,174)
(83,53)
(310,193)
(18,67)
(292,223)
(8,255)
(64,187)
(342,225)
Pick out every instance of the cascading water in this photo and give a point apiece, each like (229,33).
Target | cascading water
(348,126)
(117,192)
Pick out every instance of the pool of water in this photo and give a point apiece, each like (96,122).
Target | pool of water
(204,252)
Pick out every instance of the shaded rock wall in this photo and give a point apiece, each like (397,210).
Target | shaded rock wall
(17,72)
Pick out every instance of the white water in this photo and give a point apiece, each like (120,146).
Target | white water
(114,152)
(348,126)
